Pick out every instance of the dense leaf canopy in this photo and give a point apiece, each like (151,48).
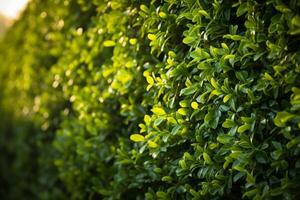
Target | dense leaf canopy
(161,99)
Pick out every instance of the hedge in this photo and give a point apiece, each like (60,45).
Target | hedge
(132,99)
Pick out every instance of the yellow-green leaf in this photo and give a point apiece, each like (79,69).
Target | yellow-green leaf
(162,15)
(216,92)
(230,56)
(228,123)
(137,138)
(149,87)
(182,164)
(214,83)
(243,128)
(182,111)
(204,13)
(184,103)
(109,43)
(250,178)
(133,41)
(147,119)
(227,98)
(167,178)
(144,8)
(194,105)
(268,77)
(152,144)
(224,45)
(172,54)
(150,80)
(158,111)
(151,37)
(282,117)
(207,158)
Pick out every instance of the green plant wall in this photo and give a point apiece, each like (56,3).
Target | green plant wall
(131,99)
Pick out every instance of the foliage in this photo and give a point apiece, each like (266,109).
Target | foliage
(173,99)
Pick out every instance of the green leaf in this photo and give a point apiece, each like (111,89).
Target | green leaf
(212,118)
(224,46)
(188,40)
(199,54)
(204,13)
(184,103)
(283,117)
(172,54)
(228,123)
(261,157)
(296,21)
(242,9)
(166,178)
(207,158)
(239,175)
(250,193)
(144,8)
(215,92)
(243,128)
(276,154)
(283,8)
(214,83)
(176,129)
(277,145)
(233,37)
(293,142)
(158,121)
(240,168)
(225,139)
(202,98)
(189,90)
(229,56)
(182,164)
(250,179)
(161,194)
(188,156)
(194,193)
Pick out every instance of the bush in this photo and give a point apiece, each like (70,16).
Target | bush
(174,99)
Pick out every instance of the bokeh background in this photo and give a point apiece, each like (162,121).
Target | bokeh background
(10,11)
